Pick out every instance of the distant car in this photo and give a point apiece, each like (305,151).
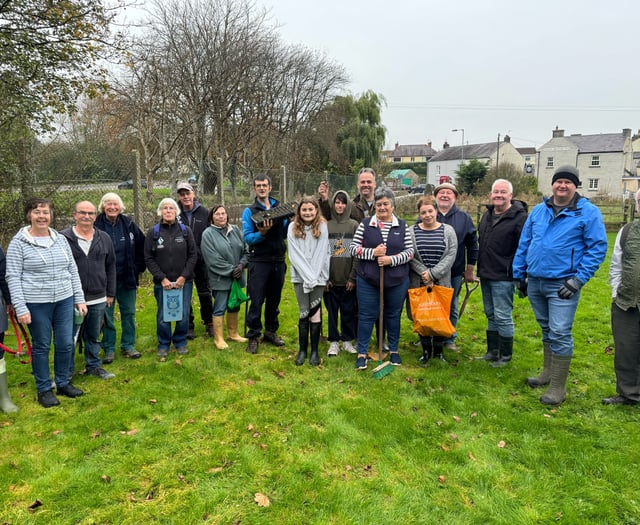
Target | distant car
(420,188)
(128,184)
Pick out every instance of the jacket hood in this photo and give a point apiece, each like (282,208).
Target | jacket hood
(24,235)
(346,216)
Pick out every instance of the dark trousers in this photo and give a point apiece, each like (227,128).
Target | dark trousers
(201,280)
(625,325)
(341,303)
(264,286)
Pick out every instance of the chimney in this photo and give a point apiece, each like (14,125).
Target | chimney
(429,145)
(445,145)
(626,132)
(397,145)
(507,138)
(557,133)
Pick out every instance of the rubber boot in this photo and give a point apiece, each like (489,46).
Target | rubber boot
(438,348)
(303,341)
(218,333)
(505,349)
(6,404)
(493,342)
(316,330)
(232,328)
(427,349)
(556,393)
(545,376)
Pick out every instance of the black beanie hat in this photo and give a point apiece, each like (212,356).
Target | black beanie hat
(567,172)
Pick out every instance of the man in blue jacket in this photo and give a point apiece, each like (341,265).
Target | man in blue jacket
(563,243)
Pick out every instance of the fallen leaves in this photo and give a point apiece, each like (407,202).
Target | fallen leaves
(131,432)
(37,503)
(261,500)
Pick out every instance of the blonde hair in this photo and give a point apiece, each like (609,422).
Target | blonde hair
(299,225)
(110,197)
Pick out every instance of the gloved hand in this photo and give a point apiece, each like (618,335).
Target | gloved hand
(237,271)
(569,288)
(522,285)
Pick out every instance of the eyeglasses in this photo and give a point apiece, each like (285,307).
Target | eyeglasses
(89,213)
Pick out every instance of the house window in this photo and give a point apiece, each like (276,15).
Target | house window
(595,161)
(549,162)
(527,159)
(397,159)
(594,184)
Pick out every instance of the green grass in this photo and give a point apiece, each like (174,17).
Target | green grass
(193,440)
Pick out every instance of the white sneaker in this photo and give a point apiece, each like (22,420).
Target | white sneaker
(334,348)
(348,347)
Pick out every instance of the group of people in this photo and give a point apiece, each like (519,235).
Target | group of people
(355,255)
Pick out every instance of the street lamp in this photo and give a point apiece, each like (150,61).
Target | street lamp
(462,151)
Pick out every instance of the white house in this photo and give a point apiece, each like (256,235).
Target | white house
(605,161)
(444,164)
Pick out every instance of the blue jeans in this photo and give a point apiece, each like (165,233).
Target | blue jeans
(368,311)
(456,284)
(163,328)
(126,300)
(220,299)
(45,319)
(91,335)
(554,315)
(497,298)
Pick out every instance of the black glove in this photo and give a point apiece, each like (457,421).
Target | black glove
(522,286)
(569,288)
(237,271)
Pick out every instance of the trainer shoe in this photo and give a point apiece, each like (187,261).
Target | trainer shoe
(191,334)
(131,353)
(108,358)
(69,390)
(348,347)
(361,363)
(100,372)
(451,346)
(163,353)
(182,350)
(48,399)
(334,349)
(394,358)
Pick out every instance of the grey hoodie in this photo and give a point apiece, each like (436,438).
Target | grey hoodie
(38,274)
(341,229)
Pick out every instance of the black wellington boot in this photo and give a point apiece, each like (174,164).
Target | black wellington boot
(303,341)
(315,329)
(427,349)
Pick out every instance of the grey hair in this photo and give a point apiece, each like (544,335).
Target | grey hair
(384,192)
(505,181)
(164,202)
(110,197)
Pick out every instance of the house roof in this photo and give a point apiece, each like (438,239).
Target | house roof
(471,151)
(412,150)
(526,151)
(400,174)
(601,143)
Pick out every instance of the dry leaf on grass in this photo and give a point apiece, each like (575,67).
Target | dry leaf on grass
(37,503)
(261,500)
(249,427)
(456,419)
(472,457)
(153,401)
(501,444)
(105,478)
(56,432)
(131,432)
(250,382)
(95,434)
(441,479)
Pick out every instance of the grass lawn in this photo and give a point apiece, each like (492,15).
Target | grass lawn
(214,436)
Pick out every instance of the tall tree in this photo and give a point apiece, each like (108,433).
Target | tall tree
(50,53)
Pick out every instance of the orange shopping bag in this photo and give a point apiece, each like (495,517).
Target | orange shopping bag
(430,307)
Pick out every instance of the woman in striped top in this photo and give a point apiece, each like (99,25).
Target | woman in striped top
(435,246)
(382,243)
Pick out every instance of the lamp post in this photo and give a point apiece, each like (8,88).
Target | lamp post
(462,150)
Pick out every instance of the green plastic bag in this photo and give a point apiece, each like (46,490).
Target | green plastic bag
(236,296)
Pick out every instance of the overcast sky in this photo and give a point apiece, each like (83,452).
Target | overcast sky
(488,66)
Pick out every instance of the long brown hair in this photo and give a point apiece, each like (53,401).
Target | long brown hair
(298,223)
